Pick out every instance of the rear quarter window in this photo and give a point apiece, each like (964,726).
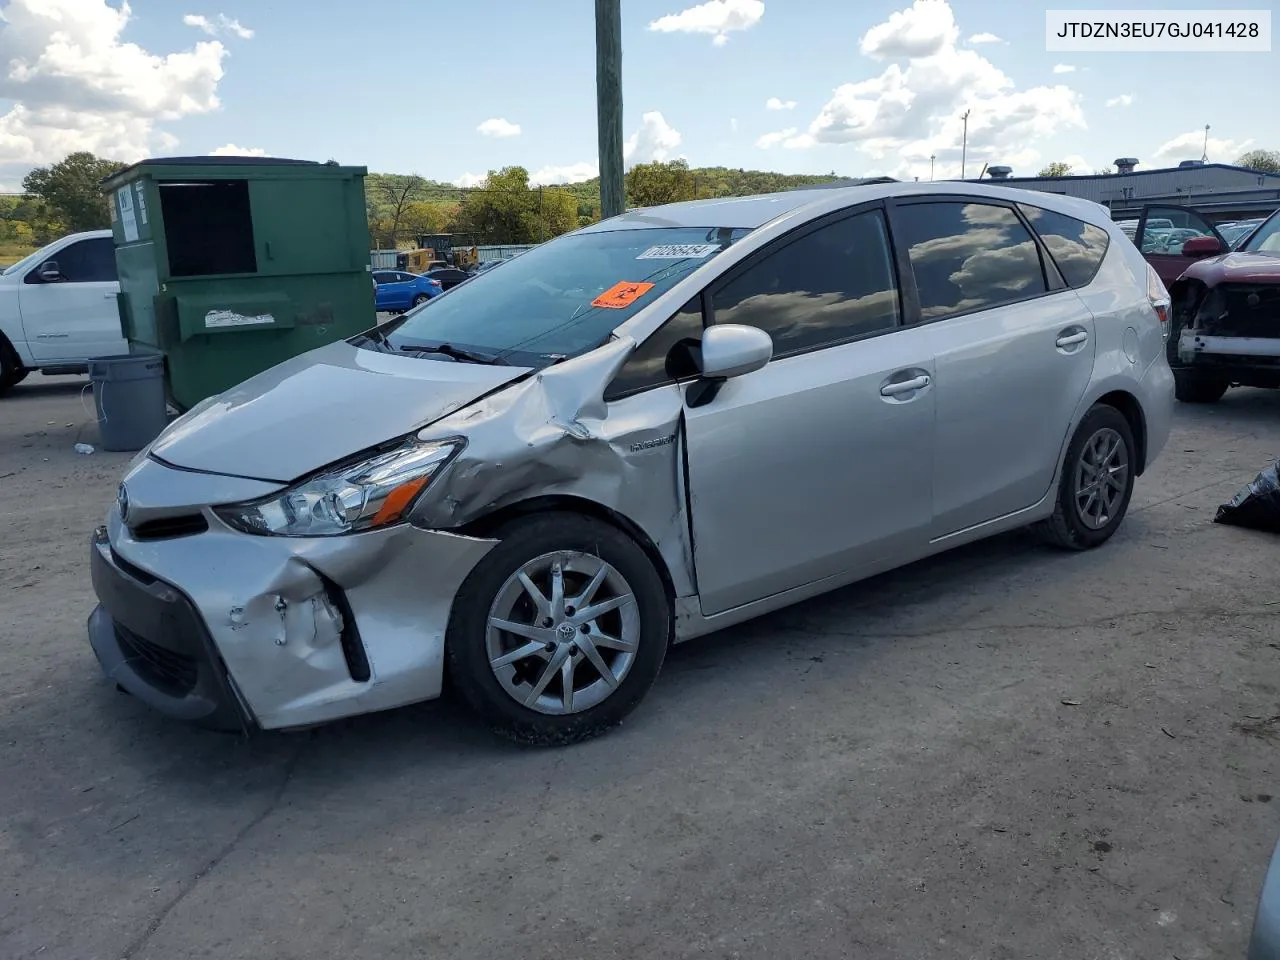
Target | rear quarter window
(1075,246)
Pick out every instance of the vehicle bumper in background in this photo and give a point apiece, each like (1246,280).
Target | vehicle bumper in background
(233,630)
(1251,361)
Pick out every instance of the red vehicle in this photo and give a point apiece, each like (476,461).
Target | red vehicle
(1173,238)
(1225,310)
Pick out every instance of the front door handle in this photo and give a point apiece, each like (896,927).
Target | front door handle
(1071,339)
(109,296)
(905,386)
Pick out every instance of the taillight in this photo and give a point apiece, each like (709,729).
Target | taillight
(1159,298)
(434,283)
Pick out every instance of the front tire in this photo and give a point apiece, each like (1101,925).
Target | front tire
(1198,386)
(560,631)
(1096,484)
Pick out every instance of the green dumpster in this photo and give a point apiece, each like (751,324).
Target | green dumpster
(230,265)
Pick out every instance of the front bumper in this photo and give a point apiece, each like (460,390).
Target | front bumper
(150,640)
(232,630)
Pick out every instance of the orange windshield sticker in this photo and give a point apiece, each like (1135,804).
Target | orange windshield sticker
(621,295)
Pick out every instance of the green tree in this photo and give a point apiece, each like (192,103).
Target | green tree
(1264,161)
(71,190)
(652,184)
(1056,169)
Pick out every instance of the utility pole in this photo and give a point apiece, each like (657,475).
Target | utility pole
(964,142)
(609,106)
(932,157)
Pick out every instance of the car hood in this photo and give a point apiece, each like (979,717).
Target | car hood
(321,407)
(1236,268)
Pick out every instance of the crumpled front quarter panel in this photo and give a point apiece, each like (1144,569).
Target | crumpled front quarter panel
(552,434)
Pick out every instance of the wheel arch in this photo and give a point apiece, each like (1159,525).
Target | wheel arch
(487,525)
(1129,407)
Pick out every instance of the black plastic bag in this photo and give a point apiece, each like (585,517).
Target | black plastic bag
(1257,506)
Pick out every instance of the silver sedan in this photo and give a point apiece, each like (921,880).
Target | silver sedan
(644,431)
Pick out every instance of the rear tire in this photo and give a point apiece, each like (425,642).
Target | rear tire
(1198,386)
(1096,483)
(515,678)
(12,372)
(420,299)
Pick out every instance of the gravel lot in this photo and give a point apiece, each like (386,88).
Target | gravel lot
(1003,752)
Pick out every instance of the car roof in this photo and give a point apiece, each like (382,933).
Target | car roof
(750,213)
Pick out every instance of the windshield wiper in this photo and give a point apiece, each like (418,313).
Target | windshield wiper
(456,353)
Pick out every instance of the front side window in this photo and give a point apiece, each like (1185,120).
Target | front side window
(968,256)
(558,300)
(829,286)
(86,261)
(1075,246)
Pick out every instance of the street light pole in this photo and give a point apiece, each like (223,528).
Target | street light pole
(932,157)
(964,142)
(1204,157)
(609,106)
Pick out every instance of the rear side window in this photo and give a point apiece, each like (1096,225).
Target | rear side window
(968,256)
(829,286)
(1075,246)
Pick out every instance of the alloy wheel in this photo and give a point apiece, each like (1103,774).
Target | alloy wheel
(1101,478)
(562,632)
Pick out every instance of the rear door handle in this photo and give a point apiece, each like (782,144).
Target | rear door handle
(905,386)
(1070,340)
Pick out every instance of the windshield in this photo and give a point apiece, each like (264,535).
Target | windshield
(1266,239)
(555,301)
(30,260)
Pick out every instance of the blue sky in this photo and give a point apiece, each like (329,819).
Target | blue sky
(858,88)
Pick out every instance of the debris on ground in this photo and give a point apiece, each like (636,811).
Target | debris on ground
(85,448)
(1257,506)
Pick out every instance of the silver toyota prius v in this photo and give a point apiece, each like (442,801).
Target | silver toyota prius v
(646,430)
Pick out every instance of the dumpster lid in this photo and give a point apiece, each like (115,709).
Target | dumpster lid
(231,161)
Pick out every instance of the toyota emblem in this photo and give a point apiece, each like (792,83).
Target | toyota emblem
(122,501)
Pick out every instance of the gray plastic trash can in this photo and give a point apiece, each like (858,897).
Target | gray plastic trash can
(128,394)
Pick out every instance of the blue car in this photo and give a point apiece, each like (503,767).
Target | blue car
(396,290)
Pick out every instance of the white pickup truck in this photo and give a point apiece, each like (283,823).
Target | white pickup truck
(58,308)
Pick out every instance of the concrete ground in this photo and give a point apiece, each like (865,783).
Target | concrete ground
(1004,752)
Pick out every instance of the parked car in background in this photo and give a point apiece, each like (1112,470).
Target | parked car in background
(59,308)
(396,290)
(1172,238)
(489,265)
(1226,318)
(448,277)
(812,387)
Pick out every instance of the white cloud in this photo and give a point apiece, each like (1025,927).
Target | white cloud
(775,138)
(231,150)
(75,85)
(653,141)
(1063,68)
(921,30)
(978,38)
(774,103)
(716,17)
(219,24)
(733,124)
(912,109)
(1124,100)
(569,173)
(468,180)
(499,127)
(1191,146)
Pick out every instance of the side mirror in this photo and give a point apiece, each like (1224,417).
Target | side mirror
(1201,247)
(49,271)
(732,350)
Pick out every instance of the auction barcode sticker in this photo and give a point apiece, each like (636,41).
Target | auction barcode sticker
(680,251)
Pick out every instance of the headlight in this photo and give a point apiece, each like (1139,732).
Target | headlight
(374,493)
